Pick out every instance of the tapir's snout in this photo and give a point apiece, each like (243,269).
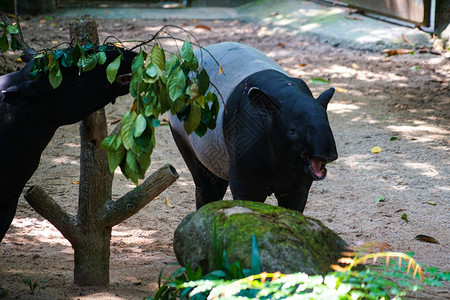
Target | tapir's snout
(320,151)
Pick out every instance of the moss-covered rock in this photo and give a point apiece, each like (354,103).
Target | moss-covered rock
(288,241)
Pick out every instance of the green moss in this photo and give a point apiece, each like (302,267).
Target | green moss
(277,230)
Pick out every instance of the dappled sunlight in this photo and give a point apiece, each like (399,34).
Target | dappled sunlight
(66,160)
(341,107)
(421,131)
(36,231)
(426,169)
(358,162)
(73,145)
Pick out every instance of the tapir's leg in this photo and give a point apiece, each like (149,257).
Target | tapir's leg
(295,199)
(7,212)
(245,184)
(208,187)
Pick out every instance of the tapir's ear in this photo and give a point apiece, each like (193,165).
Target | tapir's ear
(262,101)
(123,79)
(325,97)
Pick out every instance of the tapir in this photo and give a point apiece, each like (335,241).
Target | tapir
(31,111)
(272,135)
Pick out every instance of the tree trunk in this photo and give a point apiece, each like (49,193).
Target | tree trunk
(90,230)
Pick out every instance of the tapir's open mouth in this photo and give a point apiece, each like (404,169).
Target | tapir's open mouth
(317,169)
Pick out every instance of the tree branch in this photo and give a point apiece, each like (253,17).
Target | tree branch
(43,204)
(130,203)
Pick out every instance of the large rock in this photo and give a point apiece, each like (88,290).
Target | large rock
(288,241)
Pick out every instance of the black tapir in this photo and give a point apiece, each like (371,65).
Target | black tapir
(272,136)
(31,111)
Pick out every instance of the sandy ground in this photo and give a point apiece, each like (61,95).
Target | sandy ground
(402,96)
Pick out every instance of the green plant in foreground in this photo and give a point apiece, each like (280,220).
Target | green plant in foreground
(392,281)
(32,285)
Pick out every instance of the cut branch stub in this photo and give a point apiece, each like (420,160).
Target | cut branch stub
(133,201)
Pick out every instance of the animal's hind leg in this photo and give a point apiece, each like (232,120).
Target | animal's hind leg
(208,187)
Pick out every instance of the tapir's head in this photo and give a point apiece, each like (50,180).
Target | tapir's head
(79,94)
(83,93)
(301,137)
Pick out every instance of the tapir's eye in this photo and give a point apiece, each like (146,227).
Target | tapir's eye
(292,131)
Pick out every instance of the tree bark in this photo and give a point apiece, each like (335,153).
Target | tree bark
(89,231)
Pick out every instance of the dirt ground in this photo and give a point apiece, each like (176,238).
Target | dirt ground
(406,97)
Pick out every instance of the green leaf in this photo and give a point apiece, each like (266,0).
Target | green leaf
(151,71)
(101,57)
(255,258)
(88,63)
(405,217)
(108,142)
(186,51)
(203,82)
(138,62)
(194,92)
(393,138)
(154,122)
(165,101)
(177,106)
(139,125)
(12,29)
(172,62)
(144,162)
(131,168)
(66,60)
(15,44)
(76,53)
(194,118)
(176,83)
(191,65)
(113,67)
(4,44)
(317,80)
(380,199)
(201,129)
(55,76)
(158,57)
(115,157)
(126,129)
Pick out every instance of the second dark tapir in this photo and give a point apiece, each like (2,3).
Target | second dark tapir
(272,136)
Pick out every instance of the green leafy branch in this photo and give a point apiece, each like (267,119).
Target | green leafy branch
(7,37)
(85,57)
(177,84)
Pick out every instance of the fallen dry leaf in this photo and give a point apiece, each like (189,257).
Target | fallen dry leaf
(354,18)
(340,90)
(282,45)
(301,65)
(431,202)
(220,70)
(391,52)
(168,203)
(355,66)
(376,150)
(428,50)
(426,238)
(76,182)
(201,26)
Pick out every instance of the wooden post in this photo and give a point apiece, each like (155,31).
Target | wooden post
(90,230)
